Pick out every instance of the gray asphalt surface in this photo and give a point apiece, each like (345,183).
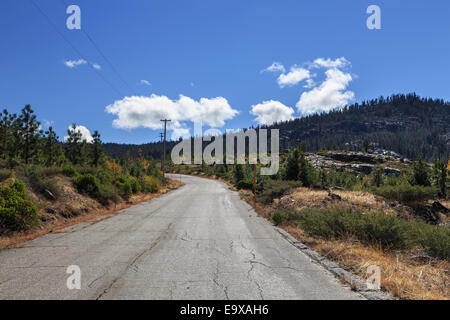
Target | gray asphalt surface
(198,242)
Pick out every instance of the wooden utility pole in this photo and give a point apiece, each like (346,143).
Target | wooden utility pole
(161,135)
(115,184)
(164,150)
(254,183)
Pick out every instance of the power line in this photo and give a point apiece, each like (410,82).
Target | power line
(102,54)
(73,47)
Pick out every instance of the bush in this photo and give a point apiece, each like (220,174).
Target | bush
(125,189)
(390,232)
(274,189)
(245,184)
(150,184)
(86,183)
(69,171)
(406,192)
(105,176)
(42,184)
(105,193)
(135,186)
(16,213)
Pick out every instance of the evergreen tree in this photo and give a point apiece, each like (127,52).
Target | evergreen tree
(377,176)
(96,149)
(238,173)
(52,148)
(440,177)
(292,166)
(29,129)
(366,145)
(420,175)
(74,145)
(306,172)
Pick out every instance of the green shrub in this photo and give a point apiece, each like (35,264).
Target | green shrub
(105,193)
(42,184)
(105,176)
(17,213)
(275,188)
(135,186)
(389,232)
(150,184)
(278,218)
(86,183)
(406,192)
(245,184)
(69,170)
(125,189)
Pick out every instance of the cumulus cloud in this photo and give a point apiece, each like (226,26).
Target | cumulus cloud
(292,78)
(85,133)
(74,63)
(329,63)
(145,82)
(142,111)
(330,94)
(271,111)
(275,67)
(96,66)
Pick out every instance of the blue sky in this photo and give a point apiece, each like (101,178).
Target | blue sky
(215,51)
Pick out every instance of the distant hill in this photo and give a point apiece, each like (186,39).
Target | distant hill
(406,124)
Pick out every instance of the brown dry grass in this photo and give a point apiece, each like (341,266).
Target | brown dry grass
(15,238)
(302,198)
(401,275)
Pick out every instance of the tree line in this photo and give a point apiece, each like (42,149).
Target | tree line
(22,140)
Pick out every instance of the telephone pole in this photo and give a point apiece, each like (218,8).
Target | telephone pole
(164,150)
(161,135)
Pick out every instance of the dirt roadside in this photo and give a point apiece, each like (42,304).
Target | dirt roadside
(92,211)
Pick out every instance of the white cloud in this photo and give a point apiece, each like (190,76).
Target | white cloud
(310,83)
(142,111)
(85,133)
(180,132)
(292,78)
(271,111)
(275,67)
(329,95)
(96,66)
(328,63)
(145,82)
(74,63)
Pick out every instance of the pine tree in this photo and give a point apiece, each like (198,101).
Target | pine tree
(52,148)
(366,145)
(292,166)
(377,176)
(74,145)
(29,129)
(306,171)
(96,149)
(420,175)
(238,173)
(440,177)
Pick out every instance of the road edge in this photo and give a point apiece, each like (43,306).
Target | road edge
(358,285)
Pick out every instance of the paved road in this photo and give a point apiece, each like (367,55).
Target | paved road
(198,242)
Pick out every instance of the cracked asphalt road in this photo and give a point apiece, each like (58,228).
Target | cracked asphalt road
(198,242)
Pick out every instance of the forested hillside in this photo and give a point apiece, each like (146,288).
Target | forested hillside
(406,124)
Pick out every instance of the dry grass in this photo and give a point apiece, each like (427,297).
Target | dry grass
(401,275)
(303,198)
